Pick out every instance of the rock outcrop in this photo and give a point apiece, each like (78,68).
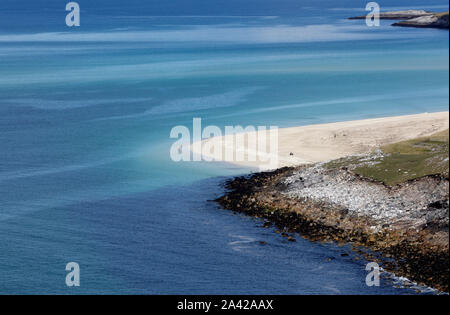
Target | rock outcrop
(405,227)
(414,18)
(433,21)
(398,15)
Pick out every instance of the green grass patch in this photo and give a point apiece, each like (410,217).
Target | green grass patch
(403,161)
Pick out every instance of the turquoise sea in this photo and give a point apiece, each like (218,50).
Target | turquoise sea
(86,114)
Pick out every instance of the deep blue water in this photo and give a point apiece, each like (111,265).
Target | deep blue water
(85,118)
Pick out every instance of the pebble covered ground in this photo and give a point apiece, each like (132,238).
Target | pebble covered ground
(406,226)
(406,204)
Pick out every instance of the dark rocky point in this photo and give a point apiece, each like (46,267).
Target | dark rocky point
(414,18)
(414,246)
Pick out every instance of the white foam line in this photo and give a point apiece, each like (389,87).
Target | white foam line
(197,16)
(70,168)
(247,35)
(353,100)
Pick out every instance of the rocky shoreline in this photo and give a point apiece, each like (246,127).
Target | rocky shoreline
(414,18)
(439,20)
(405,228)
(398,15)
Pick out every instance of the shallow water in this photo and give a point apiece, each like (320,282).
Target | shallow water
(85,118)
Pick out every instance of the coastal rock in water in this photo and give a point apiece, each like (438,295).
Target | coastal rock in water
(408,223)
(414,18)
(433,21)
(398,15)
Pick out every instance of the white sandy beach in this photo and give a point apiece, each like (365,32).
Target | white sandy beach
(323,142)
